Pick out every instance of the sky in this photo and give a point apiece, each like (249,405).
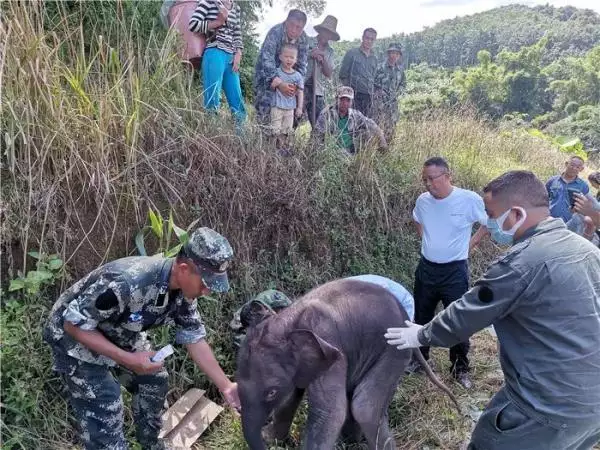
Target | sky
(399,16)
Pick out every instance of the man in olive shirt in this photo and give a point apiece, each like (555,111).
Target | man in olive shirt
(358,71)
(543,298)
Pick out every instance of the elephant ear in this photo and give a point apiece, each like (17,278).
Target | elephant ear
(254,313)
(314,356)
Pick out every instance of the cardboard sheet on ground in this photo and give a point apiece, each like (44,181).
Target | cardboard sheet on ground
(188,418)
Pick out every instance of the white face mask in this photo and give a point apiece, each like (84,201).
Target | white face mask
(498,234)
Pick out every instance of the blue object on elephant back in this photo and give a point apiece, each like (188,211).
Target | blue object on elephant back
(396,289)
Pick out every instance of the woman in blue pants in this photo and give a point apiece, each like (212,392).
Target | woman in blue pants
(219,21)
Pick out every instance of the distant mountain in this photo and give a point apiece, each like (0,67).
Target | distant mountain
(451,43)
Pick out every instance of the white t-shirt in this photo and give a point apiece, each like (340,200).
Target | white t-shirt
(447,224)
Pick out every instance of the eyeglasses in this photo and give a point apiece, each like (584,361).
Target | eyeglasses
(426,179)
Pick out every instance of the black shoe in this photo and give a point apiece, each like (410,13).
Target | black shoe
(463,379)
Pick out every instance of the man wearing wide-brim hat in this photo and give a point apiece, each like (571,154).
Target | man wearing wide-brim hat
(390,81)
(320,67)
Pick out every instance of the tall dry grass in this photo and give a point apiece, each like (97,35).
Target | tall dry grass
(97,130)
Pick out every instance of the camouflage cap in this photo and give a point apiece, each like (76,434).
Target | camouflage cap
(345,91)
(211,253)
(395,47)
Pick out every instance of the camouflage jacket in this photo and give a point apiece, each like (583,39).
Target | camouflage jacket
(268,62)
(389,84)
(121,299)
(359,126)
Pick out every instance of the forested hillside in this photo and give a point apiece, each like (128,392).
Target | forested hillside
(534,68)
(450,43)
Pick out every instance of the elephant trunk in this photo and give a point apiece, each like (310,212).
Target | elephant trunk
(252,424)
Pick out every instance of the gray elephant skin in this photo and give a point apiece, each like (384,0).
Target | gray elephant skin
(328,345)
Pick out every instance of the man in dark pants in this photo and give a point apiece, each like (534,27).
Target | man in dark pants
(543,298)
(444,216)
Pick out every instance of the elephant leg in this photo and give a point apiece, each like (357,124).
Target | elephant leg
(279,428)
(372,398)
(327,406)
(351,433)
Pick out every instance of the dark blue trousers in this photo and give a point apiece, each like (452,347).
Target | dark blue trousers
(444,283)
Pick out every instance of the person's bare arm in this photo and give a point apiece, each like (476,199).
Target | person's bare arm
(327,67)
(476,238)
(419,228)
(138,362)
(204,358)
(300,102)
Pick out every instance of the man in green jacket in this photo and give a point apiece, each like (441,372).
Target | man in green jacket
(543,298)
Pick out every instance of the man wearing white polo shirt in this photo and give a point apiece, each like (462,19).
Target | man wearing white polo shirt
(445,216)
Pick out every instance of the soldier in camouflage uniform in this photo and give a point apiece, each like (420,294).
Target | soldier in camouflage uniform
(97,332)
(271,299)
(289,32)
(390,81)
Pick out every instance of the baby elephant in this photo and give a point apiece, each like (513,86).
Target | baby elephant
(330,343)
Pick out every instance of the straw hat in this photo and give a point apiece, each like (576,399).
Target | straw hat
(329,24)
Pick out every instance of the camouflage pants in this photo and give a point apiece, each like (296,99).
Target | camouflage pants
(262,105)
(386,116)
(95,396)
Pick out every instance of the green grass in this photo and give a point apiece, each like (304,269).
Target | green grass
(95,132)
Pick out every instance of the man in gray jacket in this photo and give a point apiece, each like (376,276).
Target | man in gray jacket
(543,298)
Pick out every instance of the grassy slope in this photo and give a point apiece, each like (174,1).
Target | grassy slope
(92,142)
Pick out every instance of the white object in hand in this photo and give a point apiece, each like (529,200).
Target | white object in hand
(406,337)
(160,355)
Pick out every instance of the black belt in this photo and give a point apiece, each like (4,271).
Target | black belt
(447,264)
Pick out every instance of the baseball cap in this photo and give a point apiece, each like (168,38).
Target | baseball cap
(395,47)
(211,253)
(345,91)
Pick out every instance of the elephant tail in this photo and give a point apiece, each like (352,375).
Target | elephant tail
(434,378)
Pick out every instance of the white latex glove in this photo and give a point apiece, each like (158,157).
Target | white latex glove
(406,337)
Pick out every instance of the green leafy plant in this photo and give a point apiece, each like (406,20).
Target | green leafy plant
(162,230)
(48,270)
(571,145)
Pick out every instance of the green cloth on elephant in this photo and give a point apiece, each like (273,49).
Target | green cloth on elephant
(272,299)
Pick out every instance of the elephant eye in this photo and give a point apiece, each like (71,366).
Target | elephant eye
(271,395)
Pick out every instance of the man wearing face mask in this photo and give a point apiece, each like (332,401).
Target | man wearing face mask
(543,298)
